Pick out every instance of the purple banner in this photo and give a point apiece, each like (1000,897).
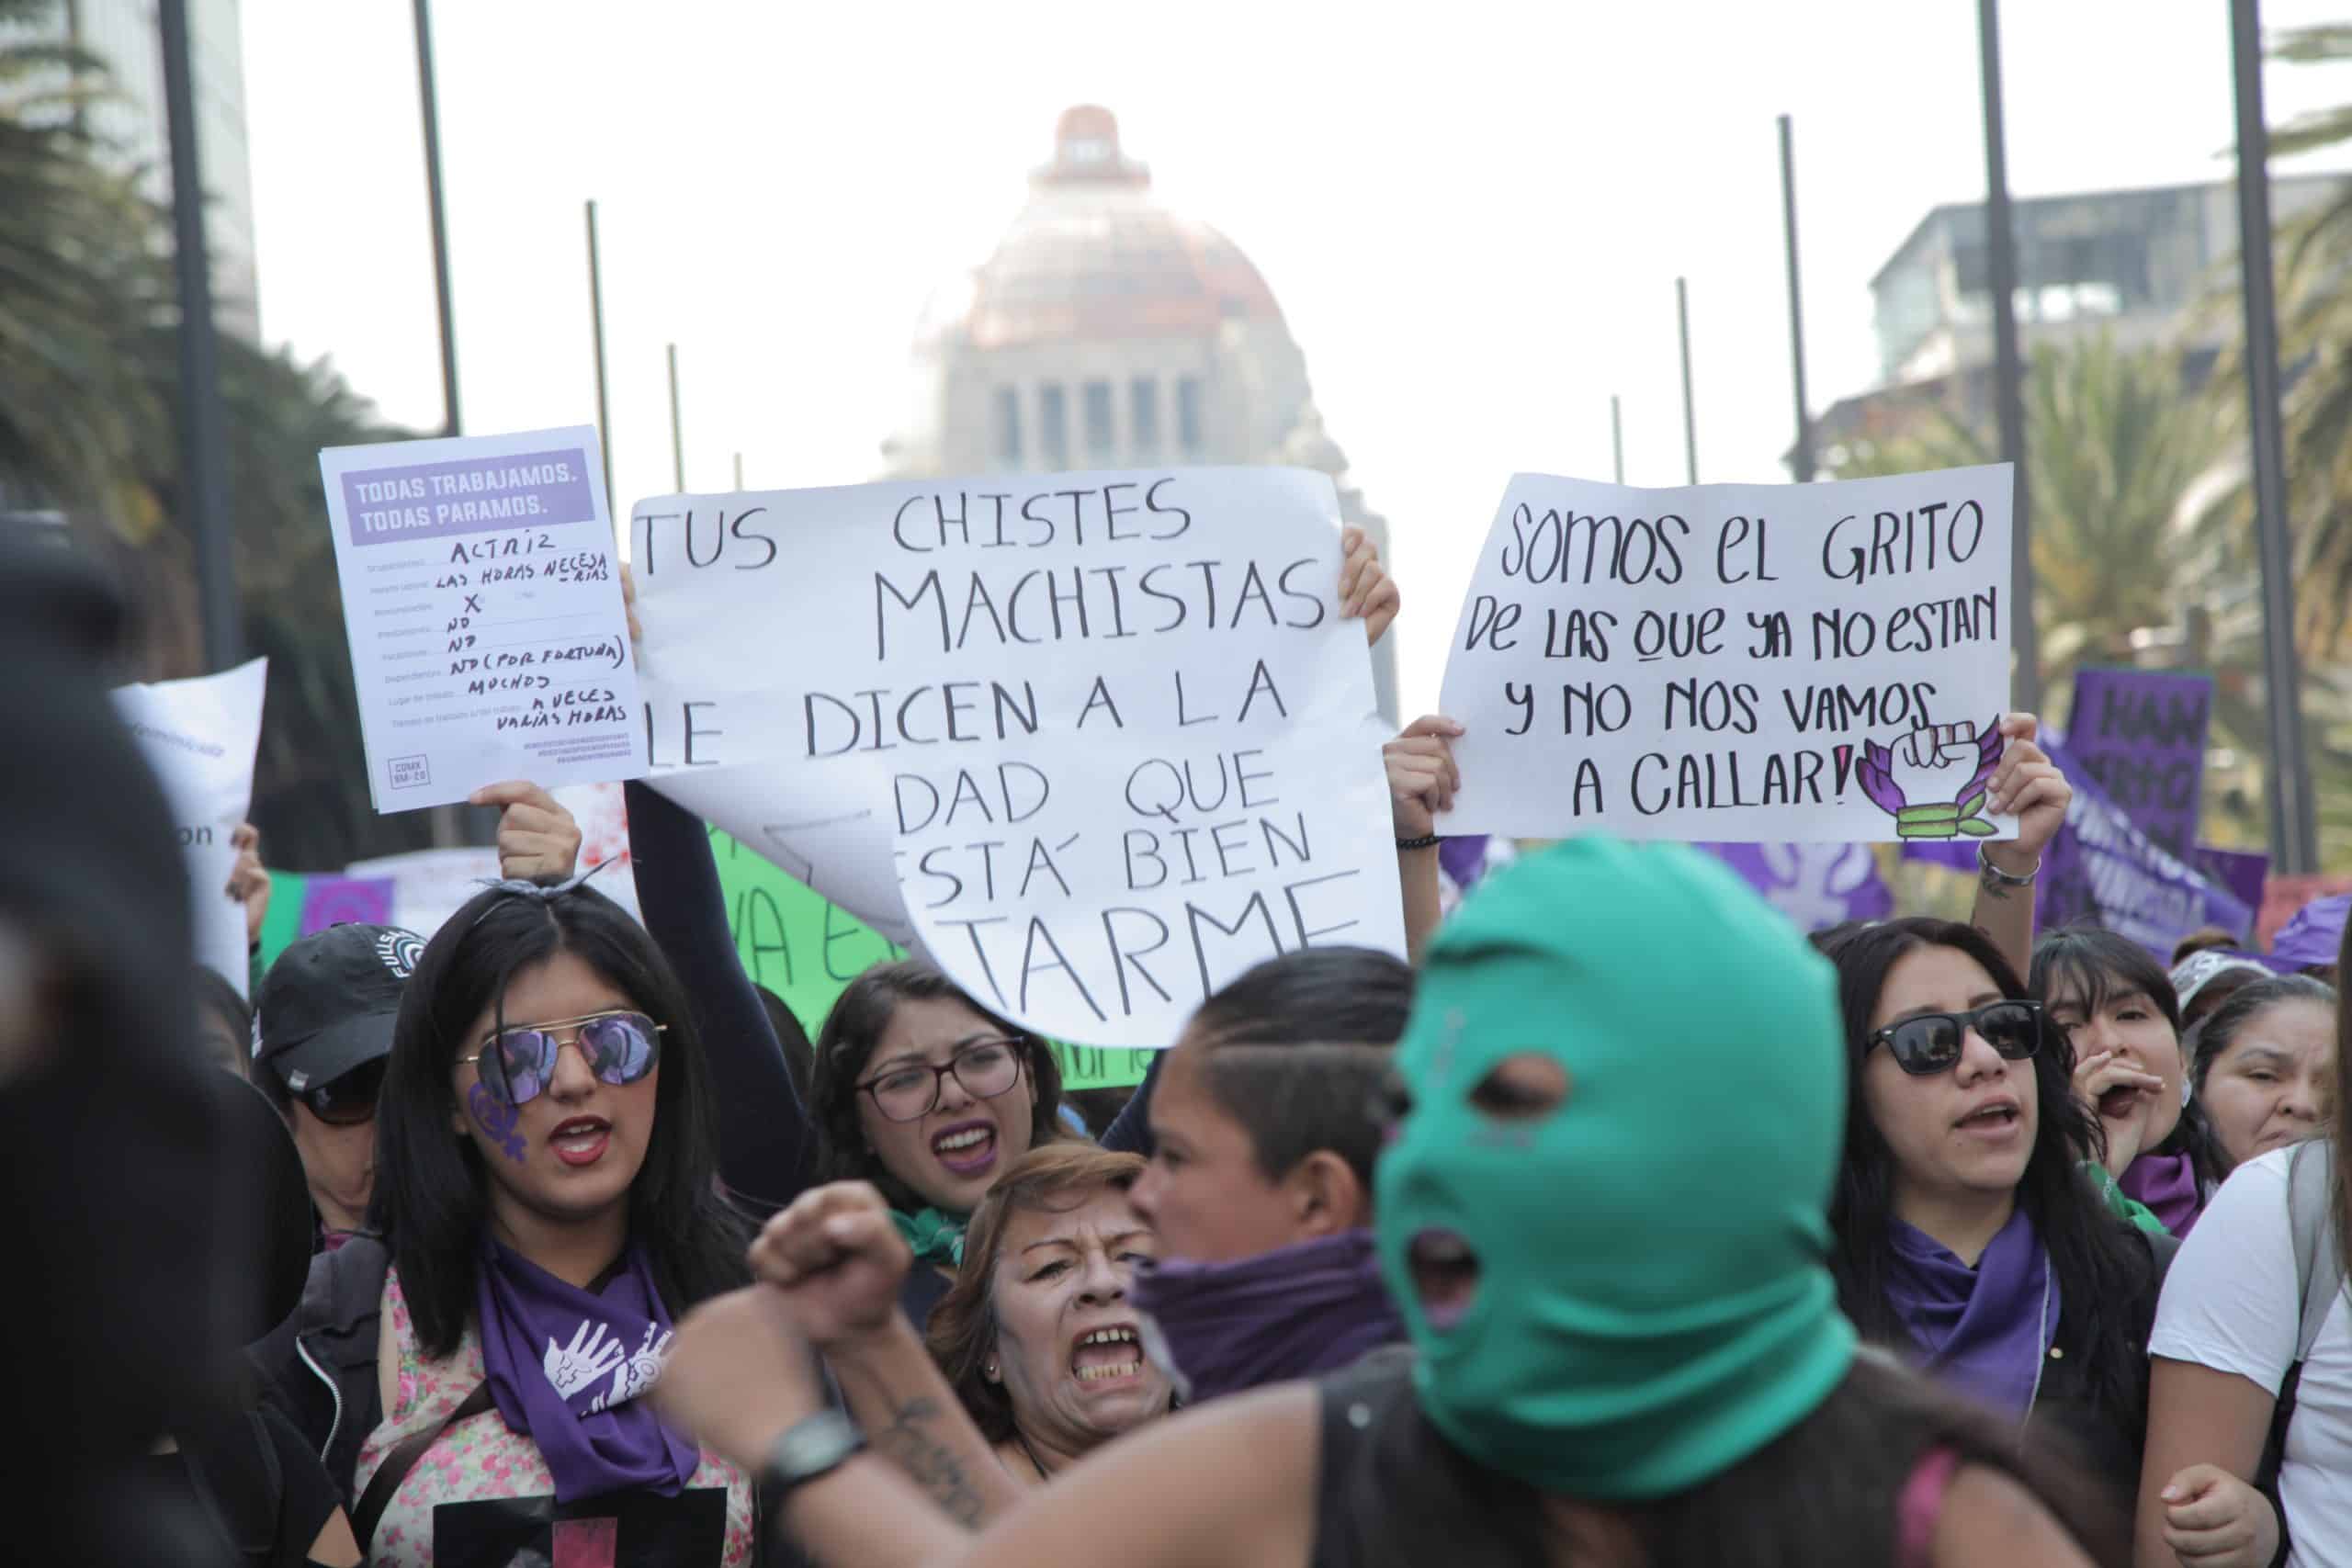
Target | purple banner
(2102,869)
(2140,736)
(2242,871)
(340,900)
(468,495)
(1817,886)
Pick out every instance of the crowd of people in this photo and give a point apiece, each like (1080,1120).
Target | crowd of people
(1627,1224)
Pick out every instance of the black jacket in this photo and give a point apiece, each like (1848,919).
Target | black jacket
(2111,1440)
(319,1364)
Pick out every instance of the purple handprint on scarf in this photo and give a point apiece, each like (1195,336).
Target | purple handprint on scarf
(1946,764)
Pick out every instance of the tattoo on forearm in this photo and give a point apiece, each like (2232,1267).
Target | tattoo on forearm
(931,1464)
(1990,884)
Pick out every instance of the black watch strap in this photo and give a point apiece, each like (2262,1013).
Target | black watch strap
(813,1446)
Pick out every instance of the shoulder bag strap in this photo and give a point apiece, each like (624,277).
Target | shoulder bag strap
(401,1459)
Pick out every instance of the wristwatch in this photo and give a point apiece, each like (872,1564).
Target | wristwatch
(810,1449)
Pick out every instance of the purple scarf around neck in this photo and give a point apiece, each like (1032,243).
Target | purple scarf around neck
(566,1366)
(1298,1311)
(1986,1330)
(2167,1185)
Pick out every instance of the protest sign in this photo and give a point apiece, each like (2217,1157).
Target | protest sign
(199,736)
(807,948)
(1099,740)
(1810,663)
(1816,886)
(303,904)
(480,598)
(2103,869)
(2140,734)
(428,886)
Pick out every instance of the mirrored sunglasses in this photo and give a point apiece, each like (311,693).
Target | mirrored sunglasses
(620,1048)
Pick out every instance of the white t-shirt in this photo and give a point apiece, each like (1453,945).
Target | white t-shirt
(2231,1302)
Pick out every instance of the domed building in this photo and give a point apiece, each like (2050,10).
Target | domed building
(1108,332)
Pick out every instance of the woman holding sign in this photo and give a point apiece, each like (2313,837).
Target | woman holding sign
(1967,1240)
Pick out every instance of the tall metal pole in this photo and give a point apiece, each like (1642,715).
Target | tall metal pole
(1617,436)
(454,423)
(2294,836)
(677,437)
(2008,367)
(203,444)
(1689,417)
(1803,468)
(596,331)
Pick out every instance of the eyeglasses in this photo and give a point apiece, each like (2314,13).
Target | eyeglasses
(348,1100)
(619,1048)
(908,1093)
(1930,1042)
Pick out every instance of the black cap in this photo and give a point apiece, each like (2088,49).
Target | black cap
(327,1005)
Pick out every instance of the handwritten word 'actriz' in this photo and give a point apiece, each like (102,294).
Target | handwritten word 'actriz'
(1920,539)
(498,546)
(923,523)
(1084,604)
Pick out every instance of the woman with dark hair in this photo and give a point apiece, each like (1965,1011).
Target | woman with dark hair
(2265,1067)
(1655,1373)
(2114,1004)
(1966,1239)
(224,1021)
(548,1201)
(2249,1458)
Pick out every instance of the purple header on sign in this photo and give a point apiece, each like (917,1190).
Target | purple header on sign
(2141,734)
(467,495)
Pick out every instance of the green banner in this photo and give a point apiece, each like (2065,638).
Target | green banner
(805,949)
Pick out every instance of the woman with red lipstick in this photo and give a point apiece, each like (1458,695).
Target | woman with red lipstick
(548,1205)
(1966,1238)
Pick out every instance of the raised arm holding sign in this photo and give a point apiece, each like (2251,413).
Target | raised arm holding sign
(1737,662)
(1101,741)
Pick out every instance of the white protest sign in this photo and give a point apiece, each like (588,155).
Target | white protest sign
(488,639)
(199,736)
(1107,727)
(1750,663)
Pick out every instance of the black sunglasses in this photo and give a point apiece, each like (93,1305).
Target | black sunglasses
(348,1100)
(1931,1042)
(619,1048)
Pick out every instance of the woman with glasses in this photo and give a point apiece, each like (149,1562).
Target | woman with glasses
(928,1096)
(548,1205)
(1967,1241)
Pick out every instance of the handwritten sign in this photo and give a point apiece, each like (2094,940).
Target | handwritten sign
(1102,737)
(1760,663)
(2140,733)
(199,736)
(483,605)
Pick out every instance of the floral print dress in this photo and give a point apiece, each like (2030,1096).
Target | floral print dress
(482,1497)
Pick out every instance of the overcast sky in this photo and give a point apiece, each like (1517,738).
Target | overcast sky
(1472,216)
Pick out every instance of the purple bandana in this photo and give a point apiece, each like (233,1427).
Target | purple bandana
(1292,1312)
(566,1366)
(1987,1329)
(2167,1185)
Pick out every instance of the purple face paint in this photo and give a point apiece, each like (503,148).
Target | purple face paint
(497,1121)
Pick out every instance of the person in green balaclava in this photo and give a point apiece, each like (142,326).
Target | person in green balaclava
(1604,1218)
(1651,1302)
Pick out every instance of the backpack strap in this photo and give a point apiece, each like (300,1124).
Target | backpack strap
(2319,1261)
(401,1459)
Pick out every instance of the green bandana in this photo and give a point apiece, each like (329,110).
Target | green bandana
(1652,1303)
(935,1236)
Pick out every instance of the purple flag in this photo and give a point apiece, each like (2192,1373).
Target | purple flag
(2140,736)
(1817,886)
(2242,871)
(340,900)
(2103,869)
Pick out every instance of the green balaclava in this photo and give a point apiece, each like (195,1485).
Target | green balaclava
(1652,1303)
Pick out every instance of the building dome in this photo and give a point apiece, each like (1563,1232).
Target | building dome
(1093,257)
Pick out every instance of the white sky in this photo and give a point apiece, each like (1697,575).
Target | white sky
(1472,216)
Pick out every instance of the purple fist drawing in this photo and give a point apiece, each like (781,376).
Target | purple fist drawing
(1944,768)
